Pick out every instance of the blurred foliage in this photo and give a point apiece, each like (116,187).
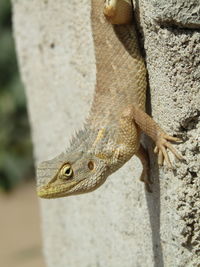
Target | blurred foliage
(16,163)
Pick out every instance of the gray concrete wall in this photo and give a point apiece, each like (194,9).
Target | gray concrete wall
(119,225)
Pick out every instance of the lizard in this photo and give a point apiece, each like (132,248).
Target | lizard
(112,131)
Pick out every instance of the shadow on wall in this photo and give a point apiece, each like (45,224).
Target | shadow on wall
(153,204)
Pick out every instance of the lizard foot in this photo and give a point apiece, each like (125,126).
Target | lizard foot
(109,11)
(161,149)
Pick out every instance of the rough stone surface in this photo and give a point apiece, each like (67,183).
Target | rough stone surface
(183,13)
(119,224)
(172,56)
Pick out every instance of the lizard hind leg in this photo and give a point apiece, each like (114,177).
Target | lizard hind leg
(145,175)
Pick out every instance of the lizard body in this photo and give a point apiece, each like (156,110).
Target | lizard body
(111,133)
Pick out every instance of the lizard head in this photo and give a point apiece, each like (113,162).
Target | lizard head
(70,174)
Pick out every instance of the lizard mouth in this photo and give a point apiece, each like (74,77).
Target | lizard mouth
(49,191)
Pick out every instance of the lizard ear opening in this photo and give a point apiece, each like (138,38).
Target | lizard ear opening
(91,165)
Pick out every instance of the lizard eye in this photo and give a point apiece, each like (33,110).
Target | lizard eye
(66,171)
(91,165)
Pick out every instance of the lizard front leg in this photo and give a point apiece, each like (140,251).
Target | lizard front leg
(152,129)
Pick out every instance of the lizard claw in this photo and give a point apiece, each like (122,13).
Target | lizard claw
(161,149)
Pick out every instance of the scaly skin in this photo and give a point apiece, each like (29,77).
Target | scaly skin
(111,134)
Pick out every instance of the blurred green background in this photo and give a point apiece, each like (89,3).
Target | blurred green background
(16,161)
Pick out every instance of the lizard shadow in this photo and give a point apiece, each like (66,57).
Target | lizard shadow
(153,199)
(153,204)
